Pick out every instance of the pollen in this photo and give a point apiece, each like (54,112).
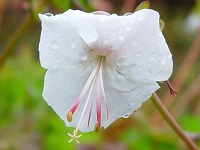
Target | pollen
(69,116)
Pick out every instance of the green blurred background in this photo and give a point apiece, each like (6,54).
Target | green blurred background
(28,123)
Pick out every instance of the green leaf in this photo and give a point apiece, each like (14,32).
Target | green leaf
(63,5)
(162,24)
(143,5)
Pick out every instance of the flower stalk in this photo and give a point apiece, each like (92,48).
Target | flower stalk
(173,124)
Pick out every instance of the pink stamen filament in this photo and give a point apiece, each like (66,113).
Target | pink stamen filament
(90,92)
(90,113)
(95,77)
(83,92)
(98,103)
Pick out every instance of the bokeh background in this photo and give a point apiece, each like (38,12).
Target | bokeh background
(28,123)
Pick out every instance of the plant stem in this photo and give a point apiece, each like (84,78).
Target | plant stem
(170,120)
(17,34)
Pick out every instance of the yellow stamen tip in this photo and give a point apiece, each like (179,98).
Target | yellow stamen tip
(69,116)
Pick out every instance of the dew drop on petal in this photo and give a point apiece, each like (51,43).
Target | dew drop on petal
(119,78)
(103,19)
(48,14)
(164,73)
(54,44)
(121,38)
(132,103)
(57,60)
(82,56)
(126,116)
(134,43)
(160,33)
(128,28)
(72,45)
(155,56)
(127,14)
(139,67)
(138,54)
(121,60)
(149,72)
(114,27)
(163,61)
(139,19)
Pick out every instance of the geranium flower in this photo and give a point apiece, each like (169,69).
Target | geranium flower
(101,67)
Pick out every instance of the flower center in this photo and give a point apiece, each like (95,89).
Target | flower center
(95,80)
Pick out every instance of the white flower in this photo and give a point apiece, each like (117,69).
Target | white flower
(101,67)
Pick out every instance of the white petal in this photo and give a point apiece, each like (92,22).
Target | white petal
(136,37)
(59,45)
(144,48)
(62,87)
(81,22)
(122,104)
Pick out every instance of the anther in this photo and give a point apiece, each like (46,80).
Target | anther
(69,116)
(96,127)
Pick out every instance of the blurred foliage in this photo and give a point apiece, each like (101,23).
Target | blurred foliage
(27,122)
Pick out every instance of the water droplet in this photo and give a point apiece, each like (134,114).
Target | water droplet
(57,60)
(160,33)
(126,116)
(138,54)
(119,78)
(164,73)
(120,60)
(127,14)
(114,27)
(128,28)
(134,43)
(155,56)
(72,45)
(139,67)
(121,38)
(169,55)
(48,14)
(103,19)
(82,56)
(54,44)
(132,103)
(163,61)
(106,42)
(139,19)
(149,72)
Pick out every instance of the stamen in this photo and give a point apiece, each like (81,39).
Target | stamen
(90,115)
(102,88)
(74,136)
(172,91)
(96,127)
(69,116)
(95,77)
(98,102)
(83,92)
